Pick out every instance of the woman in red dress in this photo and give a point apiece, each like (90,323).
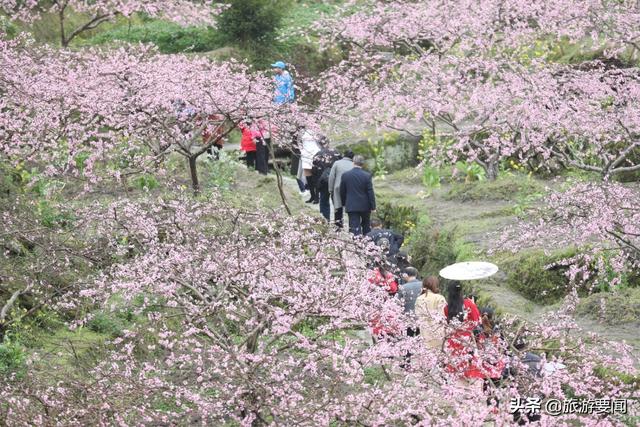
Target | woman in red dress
(463,317)
(383,325)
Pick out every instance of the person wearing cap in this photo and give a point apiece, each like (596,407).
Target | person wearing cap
(285,92)
(335,178)
(322,163)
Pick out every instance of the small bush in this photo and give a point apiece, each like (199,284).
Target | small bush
(432,249)
(12,358)
(145,182)
(53,217)
(247,22)
(526,273)
(103,323)
(401,219)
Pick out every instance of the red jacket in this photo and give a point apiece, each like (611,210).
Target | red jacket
(387,325)
(247,143)
(461,343)
(388,282)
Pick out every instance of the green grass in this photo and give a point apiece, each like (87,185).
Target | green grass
(620,307)
(507,187)
(167,36)
(528,276)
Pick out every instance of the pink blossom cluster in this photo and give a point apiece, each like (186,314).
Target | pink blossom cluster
(95,113)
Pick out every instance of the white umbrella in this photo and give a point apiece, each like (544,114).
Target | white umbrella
(469,270)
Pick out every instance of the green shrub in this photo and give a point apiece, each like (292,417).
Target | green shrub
(169,37)
(221,173)
(12,357)
(103,323)
(526,273)
(469,172)
(430,177)
(432,249)
(52,217)
(145,182)
(248,22)
(8,28)
(401,219)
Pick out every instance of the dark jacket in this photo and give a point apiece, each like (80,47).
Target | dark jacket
(395,239)
(356,191)
(409,293)
(322,161)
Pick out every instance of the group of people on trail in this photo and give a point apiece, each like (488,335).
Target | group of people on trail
(256,132)
(255,141)
(331,178)
(476,352)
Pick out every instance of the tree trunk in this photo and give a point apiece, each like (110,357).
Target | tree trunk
(195,184)
(492,170)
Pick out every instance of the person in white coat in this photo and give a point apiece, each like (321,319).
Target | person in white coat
(335,178)
(309,148)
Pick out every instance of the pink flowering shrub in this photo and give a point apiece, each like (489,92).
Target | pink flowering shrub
(600,218)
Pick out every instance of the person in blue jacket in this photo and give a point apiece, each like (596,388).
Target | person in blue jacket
(285,92)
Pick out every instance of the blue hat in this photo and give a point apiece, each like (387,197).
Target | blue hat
(279,64)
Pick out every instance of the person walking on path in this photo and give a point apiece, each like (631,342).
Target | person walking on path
(358,197)
(285,91)
(430,313)
(309,148)
(322,163)
(247,143)
(463,316)
(408,293)
(262,136)
(335,178)
(378,233)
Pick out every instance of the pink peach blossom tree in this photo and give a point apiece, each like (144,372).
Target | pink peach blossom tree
(185,12)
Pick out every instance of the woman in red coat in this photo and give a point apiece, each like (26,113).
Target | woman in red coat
(463,317)
(248,143)
(383,325)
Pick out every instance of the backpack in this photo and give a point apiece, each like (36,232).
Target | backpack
(324,178)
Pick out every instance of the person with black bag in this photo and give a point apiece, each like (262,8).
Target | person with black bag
(322,162)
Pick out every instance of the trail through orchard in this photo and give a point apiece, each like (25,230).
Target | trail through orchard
(491,216)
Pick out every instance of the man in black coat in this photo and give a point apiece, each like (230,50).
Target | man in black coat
(378,233)
(322,162)
(358,198)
